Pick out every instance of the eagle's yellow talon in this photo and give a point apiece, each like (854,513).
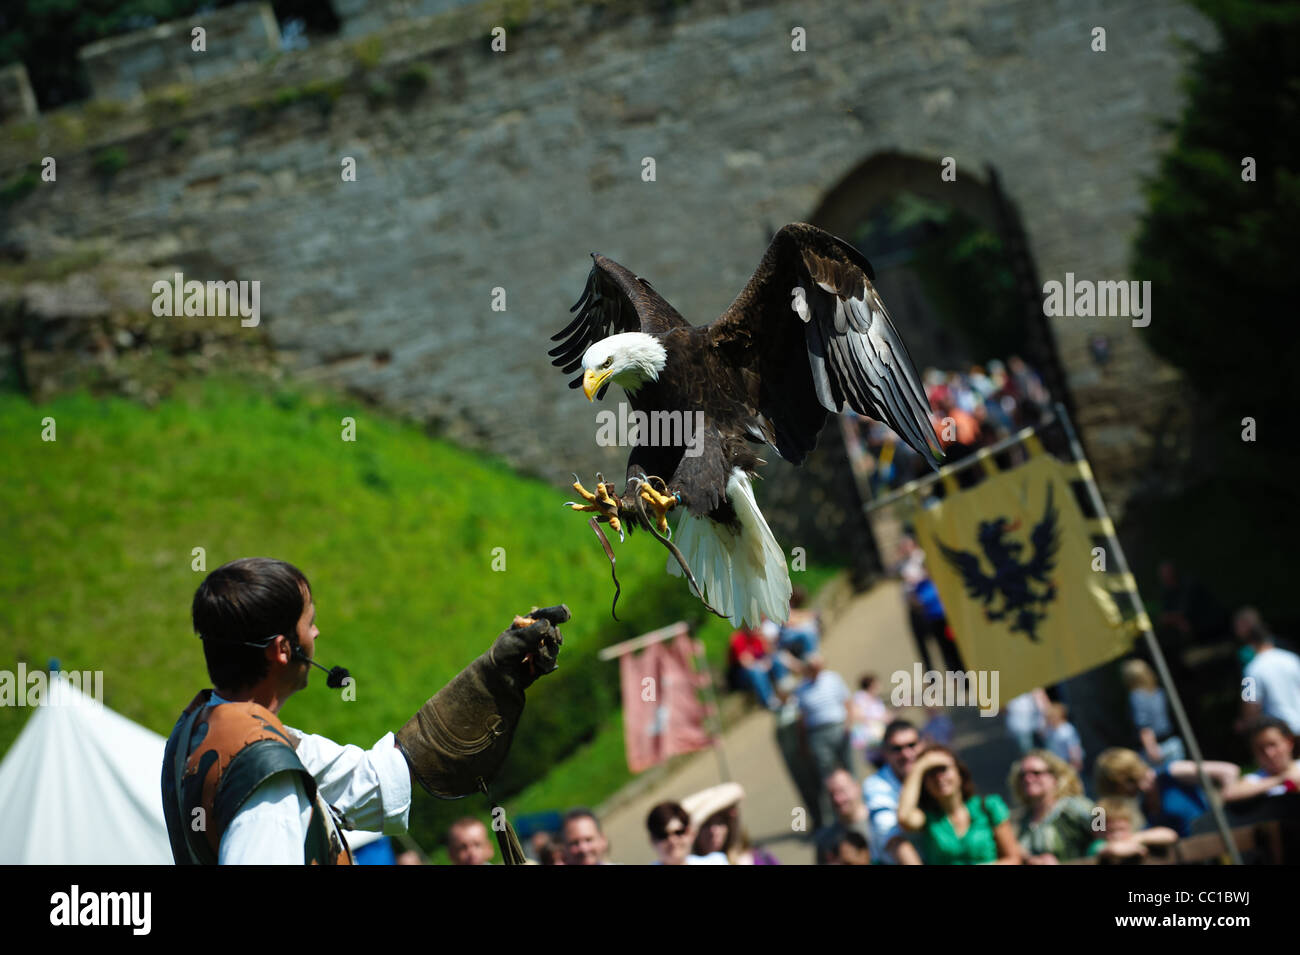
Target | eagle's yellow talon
(601,501)
(606,497)
(587,495)
(659,501)
(661,504)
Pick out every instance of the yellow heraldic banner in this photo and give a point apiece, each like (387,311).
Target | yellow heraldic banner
(1012,561)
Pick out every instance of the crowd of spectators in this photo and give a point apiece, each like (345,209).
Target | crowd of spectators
(880,790)
(970,410)
(917,801)
(922,806)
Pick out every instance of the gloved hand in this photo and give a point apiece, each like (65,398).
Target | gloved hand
(458,740)
(531,646)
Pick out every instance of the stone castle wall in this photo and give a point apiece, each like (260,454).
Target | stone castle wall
(478,170)
(129,66)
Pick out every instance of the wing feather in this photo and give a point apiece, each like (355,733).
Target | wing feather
(816,346)
(850,355)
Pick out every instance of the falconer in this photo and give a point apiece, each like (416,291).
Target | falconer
(239,786)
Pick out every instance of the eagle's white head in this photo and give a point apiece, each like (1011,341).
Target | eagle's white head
(630,359)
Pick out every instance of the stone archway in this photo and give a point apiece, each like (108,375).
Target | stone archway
(878,178)
(858,198)
(875,181)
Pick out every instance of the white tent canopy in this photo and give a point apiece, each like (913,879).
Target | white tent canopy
(82,786)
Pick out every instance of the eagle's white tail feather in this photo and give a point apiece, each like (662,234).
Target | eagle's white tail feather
(742,573)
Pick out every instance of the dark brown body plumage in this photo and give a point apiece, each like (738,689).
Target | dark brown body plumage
(766,371)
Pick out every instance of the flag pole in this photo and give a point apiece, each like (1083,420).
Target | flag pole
(970,461)
(711,691)
(643,641)
(1144,624)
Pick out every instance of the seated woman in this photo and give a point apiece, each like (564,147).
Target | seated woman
(1149,710)
(1169,796)
(1125,835)
(1273,745)
(954,826)
(1054,823)
(671,834)
(715,815)
(753,666)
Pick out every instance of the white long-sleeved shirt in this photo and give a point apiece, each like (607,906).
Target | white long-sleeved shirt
(371,788)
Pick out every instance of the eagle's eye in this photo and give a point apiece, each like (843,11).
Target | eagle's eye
(608,361)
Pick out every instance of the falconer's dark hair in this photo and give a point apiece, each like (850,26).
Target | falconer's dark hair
(247,601)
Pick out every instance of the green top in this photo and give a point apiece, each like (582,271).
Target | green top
(1066,831)
(940,845)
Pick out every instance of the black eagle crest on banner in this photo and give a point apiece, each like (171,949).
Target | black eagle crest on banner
(1023,588)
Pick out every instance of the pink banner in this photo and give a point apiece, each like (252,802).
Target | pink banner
(662,712)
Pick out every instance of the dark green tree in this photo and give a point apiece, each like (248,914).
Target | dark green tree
(1219,238)
(1218,242)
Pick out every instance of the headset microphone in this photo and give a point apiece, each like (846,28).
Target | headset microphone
(336,674)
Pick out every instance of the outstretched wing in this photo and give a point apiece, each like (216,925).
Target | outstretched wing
(614,301)
(978,585)
(812,334)
(1046,538)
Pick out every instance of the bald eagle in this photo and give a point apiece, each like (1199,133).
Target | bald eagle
(807,335)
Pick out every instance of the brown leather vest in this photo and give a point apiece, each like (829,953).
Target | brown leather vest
(216,757)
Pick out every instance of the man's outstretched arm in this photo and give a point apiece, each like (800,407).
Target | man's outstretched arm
(458,740)
(370,787)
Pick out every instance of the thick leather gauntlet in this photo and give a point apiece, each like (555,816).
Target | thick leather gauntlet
(458,740)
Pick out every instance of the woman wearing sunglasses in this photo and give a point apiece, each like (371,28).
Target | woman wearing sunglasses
(671,835)
(1055,821)
(954,825)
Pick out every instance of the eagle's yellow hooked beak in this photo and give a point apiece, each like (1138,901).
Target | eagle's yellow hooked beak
(593,380)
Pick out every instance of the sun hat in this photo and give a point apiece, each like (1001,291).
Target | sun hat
(706,803)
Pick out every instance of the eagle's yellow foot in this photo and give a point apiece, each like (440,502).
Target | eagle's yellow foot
(659,503)
(602,501)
